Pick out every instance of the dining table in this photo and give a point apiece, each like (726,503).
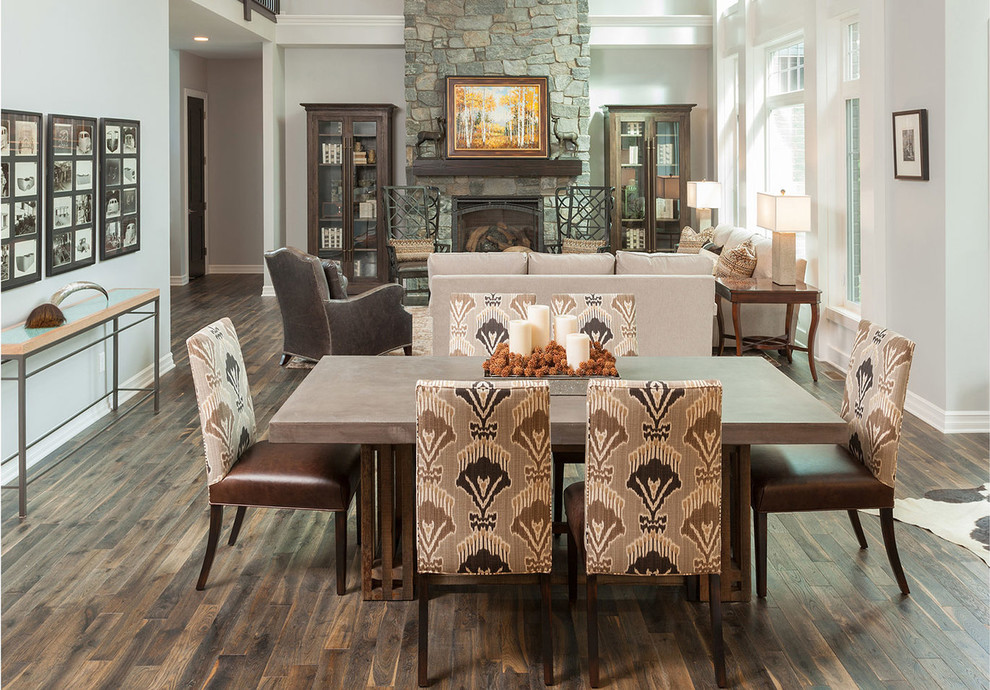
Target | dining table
(371,401)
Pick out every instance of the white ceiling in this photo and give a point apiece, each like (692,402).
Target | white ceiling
(227,40)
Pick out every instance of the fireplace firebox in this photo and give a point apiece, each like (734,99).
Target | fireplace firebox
(496,223)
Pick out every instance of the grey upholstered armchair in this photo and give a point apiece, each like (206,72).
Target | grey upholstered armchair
(317,322)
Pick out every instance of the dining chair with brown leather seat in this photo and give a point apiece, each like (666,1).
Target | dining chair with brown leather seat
(651,502)
(244,472)
(856,475)
(483,493)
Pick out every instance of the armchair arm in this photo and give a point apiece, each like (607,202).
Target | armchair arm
(369,324)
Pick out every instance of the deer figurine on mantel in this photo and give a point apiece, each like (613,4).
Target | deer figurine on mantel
(566,142)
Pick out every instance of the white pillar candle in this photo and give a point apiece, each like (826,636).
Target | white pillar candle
(578,349)
(563,326)
(521,337)
(539,316)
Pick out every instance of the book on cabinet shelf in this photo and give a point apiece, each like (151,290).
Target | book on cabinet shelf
(332,154)
(331,237)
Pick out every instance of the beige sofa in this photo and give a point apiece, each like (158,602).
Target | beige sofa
(757,319)
(672,296)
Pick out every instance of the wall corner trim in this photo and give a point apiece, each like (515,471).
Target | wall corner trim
(236,268)
(178,281)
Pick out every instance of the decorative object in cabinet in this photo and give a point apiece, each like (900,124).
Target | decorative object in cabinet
(349,162)
(647,160)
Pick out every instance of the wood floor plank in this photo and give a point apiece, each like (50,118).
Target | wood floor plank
(98,583)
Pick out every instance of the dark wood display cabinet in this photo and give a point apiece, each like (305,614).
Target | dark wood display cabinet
(648,161)
(349,163)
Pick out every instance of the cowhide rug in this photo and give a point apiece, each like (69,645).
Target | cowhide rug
(961,516)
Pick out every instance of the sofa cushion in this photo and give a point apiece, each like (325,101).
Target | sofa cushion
(721,233)
(478,263)
(572,246)
(411,250)
(662,264)
(571,264)
(691,242)
(737,262)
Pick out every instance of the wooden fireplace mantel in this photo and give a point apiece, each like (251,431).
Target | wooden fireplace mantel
(498,167)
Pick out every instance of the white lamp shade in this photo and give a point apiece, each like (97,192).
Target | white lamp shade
(704,194)
(782,213)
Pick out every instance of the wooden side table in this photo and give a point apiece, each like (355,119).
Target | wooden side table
(765,291)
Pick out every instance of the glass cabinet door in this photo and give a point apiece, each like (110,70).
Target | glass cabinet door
(667,183)
(632,187)
(330,189)
(364,204)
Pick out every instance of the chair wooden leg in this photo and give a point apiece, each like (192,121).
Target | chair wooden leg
(571,568)
(887,527)
(340,525)
(407,350)
(715,606)
(546,625)
(236,528)
(284,360)
(760,537)
(424,629)
(593,630)
(216,522)
(858,528)
(558,490)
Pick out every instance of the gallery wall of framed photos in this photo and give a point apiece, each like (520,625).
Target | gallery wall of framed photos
(70,193)
(20,198)
(120,222)
(89,173)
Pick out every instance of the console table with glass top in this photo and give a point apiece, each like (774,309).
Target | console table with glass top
(19,343)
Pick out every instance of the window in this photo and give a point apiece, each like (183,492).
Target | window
(850,94)
(785,123)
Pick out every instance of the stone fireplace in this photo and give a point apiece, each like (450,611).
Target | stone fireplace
(496,224)
(498,38)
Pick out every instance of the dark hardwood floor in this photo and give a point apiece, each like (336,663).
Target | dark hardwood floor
(98,582)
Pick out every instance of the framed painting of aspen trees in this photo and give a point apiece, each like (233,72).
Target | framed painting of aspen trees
(497,117)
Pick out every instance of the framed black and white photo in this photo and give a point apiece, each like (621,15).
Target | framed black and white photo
(120,191)
(71,162)
(911,144)
(20,198)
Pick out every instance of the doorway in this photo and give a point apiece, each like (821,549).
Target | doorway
(196,184)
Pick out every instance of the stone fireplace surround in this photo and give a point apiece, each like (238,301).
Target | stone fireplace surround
(498,38)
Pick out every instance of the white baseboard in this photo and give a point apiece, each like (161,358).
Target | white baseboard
(268,291)
(40,451)
(236,268)
(961,422)
(179,281)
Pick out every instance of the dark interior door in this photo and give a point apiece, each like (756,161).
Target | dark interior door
(195,176)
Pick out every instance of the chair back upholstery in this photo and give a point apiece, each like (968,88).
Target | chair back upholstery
(480,321)
(653,486)
(226,410)
(584,218)
(301,289)
(483,466)
(873,403)
(609,319)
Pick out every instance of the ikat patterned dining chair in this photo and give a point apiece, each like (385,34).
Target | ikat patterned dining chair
(651,502)
(243,471)
(483,492)
(853,476)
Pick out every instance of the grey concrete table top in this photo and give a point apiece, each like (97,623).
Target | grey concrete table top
(372,400)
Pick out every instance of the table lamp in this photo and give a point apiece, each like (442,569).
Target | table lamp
(783,215)
(704,196)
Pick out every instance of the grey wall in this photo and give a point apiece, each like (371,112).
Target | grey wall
(643,76)
(128,78)
(341,7)
(234,165)
(916,251)
(335,75)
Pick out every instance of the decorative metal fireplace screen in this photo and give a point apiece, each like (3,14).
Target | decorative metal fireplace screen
(495,224)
